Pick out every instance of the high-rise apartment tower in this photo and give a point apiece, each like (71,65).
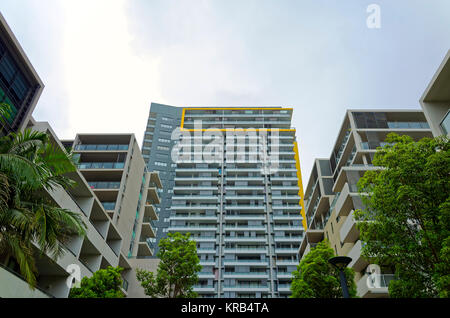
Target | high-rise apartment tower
(238,191)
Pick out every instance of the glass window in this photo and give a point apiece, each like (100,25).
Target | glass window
(445,124)
(7,69)
(19,87)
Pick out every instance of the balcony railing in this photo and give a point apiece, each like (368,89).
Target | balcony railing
(101,147)
(101,165)
(104,185)
(372,145)
(409,125)
(109,205)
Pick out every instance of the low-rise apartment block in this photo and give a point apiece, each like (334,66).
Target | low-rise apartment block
(435,100)
(114,168)
(101,247)
(332,195)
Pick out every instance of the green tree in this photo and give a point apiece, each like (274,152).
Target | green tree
(315,277)
(177,270)
(406,220)
(105,283)
(30,165)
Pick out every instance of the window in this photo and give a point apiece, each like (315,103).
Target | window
(164,148)
(445,124)
(164,140)
(166,126)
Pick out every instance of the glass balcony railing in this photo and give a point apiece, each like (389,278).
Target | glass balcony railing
(104,185)
(124,284)
(342,146)
(372,145)
(246,273)
(101,147)
(408,125)
(245,286)
(101,165)
(445,124)
(109,205)
(245,261)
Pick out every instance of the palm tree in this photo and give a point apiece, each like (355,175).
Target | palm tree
(31,165)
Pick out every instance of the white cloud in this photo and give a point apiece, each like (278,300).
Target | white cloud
(109,86)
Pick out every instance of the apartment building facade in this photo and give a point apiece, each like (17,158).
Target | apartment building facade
(332,195)
(20,85)
(435,100)
(101,247)
(246,220)
(114,168)
(156,151)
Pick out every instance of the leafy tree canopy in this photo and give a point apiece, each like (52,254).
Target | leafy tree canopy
(105,283)
(406,220)
(315,277)
(177,270)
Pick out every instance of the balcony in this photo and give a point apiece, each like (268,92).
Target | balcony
(152,196)
(13,285)
(109,206)
(194,207)
(245,228)
(246,287)
(147,228)
(287,227)
(286,206)
(344,204)
(374,285)
(100,185)
(284,288)
(358,262)
(184,228)
(245,274)
(248,262)
(145,248)
(284,275)
(245,217)
(408,125)
(287,238)
(245,207)
(246,250)
(286,250)
(101,165)
(286,217)
(205,289)
(196,197)
(349,233)
(245,239)
(194,217)
(293,262)
(150,211)
(86,147)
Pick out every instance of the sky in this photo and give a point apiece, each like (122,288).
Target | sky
(104,61)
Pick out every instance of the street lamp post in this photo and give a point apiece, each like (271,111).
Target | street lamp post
(341,262)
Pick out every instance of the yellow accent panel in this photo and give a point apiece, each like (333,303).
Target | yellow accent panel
(300,185)
(182,118)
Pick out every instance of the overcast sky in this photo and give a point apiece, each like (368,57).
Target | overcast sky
(104,61)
